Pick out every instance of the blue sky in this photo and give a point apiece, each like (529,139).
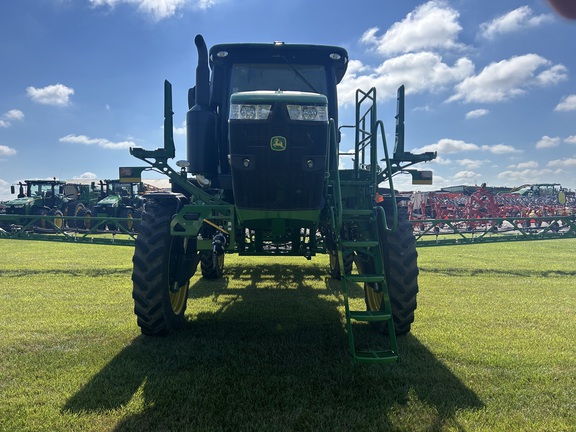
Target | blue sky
(491,85)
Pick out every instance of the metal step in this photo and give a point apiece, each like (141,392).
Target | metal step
(369,278)
(370,316)
(355,213)
(352,244)
(376,356)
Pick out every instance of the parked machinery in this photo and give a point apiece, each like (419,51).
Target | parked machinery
(42,198)
(119,199)
(263,178)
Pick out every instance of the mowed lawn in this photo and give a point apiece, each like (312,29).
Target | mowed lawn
(493,347)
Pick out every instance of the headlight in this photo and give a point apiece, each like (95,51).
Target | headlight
(249,112)
(308,112)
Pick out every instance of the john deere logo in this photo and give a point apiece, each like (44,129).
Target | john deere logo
(278,143)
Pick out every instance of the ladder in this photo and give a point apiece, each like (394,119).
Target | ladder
(359,228)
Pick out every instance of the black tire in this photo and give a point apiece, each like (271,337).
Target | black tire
(129,224)
(73,209)
(401,267)
(40,211)
(137,216)
(335,264)
(212,265)
(58,220)
(83,220)
(159,310)
(111,226)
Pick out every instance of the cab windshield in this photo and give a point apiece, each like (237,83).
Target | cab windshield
(285,77)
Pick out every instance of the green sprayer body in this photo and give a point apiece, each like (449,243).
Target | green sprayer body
(263,176)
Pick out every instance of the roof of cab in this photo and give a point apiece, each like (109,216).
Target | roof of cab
(278,52)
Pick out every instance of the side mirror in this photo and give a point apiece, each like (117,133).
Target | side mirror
(421,177)
(131,174)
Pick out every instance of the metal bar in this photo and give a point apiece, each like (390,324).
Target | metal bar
(55,228)
(443,232)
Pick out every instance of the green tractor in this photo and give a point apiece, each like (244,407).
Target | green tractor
(263,177)
(81,198)
(119,199)
(44,198)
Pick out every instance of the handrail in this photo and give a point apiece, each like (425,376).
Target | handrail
(388,169)
(336,178)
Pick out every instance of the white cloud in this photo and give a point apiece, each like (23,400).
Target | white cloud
(571,139)
(466,175)
(205,4)
(552,76)
(428,29)
(548,142)
(441,161)
(525,165)
(87,175)
(179,130)
(57,94)
(101,142)
(512,21)
(447,145)
(7,151)
(562,163)
(4,190)
(432,25)
(14,114)
(419,72)
(157,9)
(501,149)
(472,163)
(567,104)
(526,175)
(10,116)
(476,113)
(507,79)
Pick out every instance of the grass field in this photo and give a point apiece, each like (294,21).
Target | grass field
(493,347)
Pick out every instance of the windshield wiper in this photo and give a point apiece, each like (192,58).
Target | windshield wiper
(302,77)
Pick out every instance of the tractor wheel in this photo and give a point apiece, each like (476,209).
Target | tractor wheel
(58,219)
(41,223)
(159,299)
(212,265)
(401,267)
(137,215)
(335,265)
(111,226)
(129,224)
(72,210)
(83,220)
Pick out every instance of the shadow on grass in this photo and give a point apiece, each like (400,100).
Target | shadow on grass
(467,272)
(76,272)
(270,359)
